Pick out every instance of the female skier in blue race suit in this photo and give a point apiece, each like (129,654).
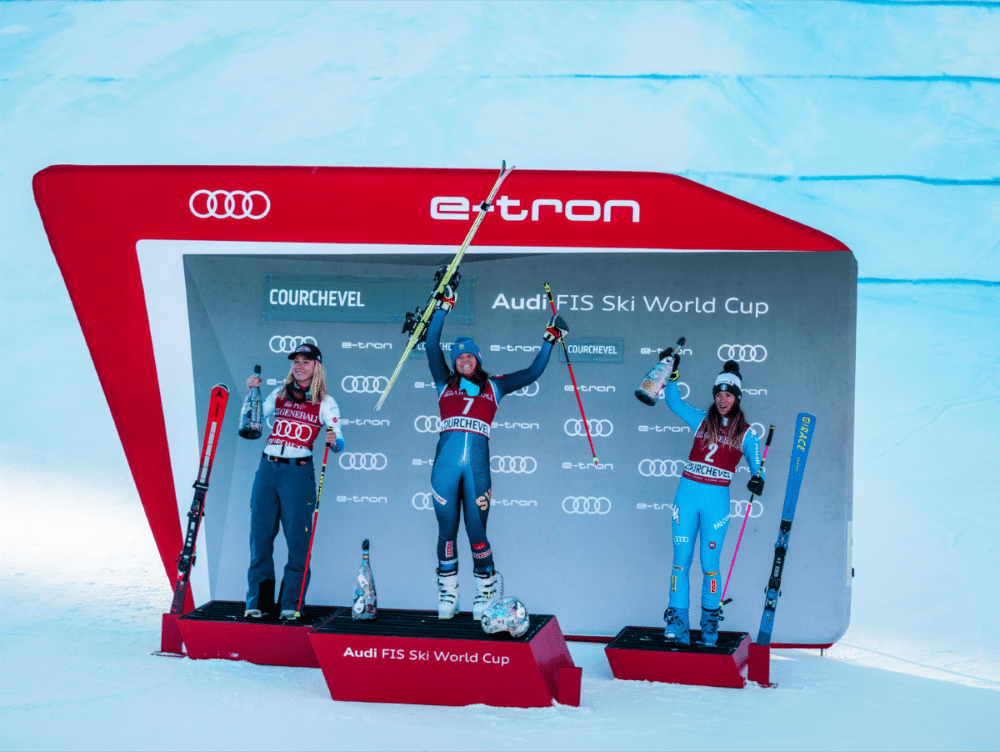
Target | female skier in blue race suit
(701,505)
(468,399)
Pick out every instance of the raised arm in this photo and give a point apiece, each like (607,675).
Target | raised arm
(435,358)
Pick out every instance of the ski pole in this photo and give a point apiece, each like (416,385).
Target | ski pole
(312,534)
(770,433)
(576,391)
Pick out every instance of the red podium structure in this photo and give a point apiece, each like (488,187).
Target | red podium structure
(414,657)
(219,630)
(642,653)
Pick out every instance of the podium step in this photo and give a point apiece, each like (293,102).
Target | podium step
(219,630)
(413,657)
(642,653)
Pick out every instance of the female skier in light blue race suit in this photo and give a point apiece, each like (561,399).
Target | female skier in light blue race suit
(701,505)
(460,481)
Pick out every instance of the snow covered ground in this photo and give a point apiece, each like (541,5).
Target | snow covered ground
(878,123)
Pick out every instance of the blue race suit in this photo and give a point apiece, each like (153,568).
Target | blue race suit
(701,506)
(461,475)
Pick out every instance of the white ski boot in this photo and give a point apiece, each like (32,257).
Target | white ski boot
(489,585)
(447,593)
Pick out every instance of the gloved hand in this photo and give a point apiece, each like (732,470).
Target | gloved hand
(336,443)
(756,485)
(675,352)
(555,329)
(446,299)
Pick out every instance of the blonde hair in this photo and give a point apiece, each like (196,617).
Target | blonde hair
(317,387)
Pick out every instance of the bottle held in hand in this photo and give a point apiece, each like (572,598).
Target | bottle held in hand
(252,416)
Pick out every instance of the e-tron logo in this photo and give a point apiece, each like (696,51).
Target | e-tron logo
(364,384)
(422,501)
(743,353)
(662,468)
(250,206)
(288,344)
(597,427)
(363,461)
(427,424)
(525,465)
(586,505)
(739,508)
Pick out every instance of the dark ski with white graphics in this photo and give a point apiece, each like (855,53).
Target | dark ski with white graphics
(185,560)
(805,424)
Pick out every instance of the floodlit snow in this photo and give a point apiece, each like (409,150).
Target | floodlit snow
(878,123)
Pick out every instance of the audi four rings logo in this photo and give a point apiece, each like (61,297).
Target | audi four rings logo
(526,391)
(662,468)
(287,429)
(597,427)
(253,204)
(287,344)
(363,461)
(586,505)
(427,424)
(739,508)
(743,353)
(422,501)
(364,384)
(513,464)
(758,428)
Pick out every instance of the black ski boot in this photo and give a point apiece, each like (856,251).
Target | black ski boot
(710,618)
(678,627)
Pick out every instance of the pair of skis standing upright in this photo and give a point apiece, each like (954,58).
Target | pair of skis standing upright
(365,600)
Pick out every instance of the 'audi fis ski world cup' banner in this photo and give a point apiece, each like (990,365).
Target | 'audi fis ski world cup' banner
(225,268)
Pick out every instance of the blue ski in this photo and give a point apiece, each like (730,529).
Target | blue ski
(805,424)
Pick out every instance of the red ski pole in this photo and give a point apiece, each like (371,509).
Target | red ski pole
(312,534)
(770,433)
(576,391)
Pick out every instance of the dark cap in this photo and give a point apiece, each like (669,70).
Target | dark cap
(310,351)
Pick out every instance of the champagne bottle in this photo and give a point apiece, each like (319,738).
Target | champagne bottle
(252,416)
(652,384)
(365,599)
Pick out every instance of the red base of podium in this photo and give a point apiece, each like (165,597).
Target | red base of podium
(219,630)
(414,657)
(760,664)
(642,653)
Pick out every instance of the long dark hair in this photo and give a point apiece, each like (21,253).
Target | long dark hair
(479,377)
(737,427)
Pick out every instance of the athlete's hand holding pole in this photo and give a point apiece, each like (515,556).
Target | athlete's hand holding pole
(555,325)
(757,488)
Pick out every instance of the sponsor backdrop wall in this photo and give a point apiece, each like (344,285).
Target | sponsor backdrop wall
(589,543)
